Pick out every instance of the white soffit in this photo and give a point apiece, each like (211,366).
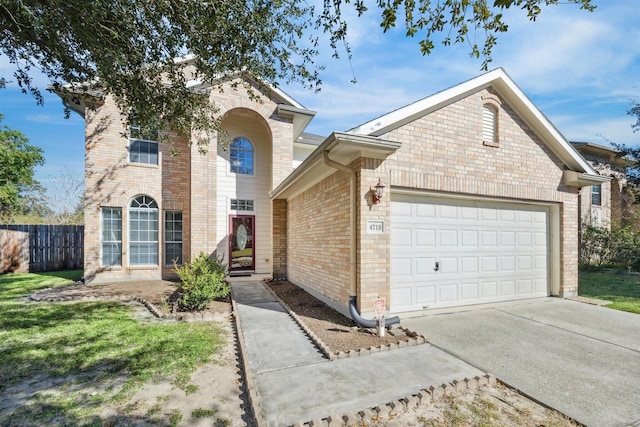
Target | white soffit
(513,95)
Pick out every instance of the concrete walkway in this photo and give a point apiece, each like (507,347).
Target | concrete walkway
(580,359)
(295,383)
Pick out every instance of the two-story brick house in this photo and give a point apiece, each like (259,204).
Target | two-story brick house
(479,199)
(603,204)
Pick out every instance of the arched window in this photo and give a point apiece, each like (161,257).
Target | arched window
(143,231)
(241,156)
(490,125)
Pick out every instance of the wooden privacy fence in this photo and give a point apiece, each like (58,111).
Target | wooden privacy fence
(39,248)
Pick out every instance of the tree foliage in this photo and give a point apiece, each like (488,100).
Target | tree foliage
(17,159)
(632,153)
(617,248)
(128,49)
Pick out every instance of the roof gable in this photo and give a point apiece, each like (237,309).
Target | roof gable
(509,91)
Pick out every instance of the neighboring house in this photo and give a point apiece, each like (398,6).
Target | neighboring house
(479,203)
(603,204)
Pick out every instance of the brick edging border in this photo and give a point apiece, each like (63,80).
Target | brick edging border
(422,398)
(411,341)
(185,317)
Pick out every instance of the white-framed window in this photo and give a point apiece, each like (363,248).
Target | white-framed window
(143,145)
(596,195)
(241,205)
(241,156)
(490,125)
(173,237)
(111,237)
(143,231)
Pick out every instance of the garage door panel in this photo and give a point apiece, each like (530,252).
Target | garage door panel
(489,264)
(525,286)
(402,296)
(468,213)
(469,239)
(525,238)
(540,286)
(507,238)
(488,215)
(425,295)
(425,211)
(508,288)
(489,290)
(524,216)
(447,212)
(469,264)
(507,216)
(447,265)
(508,263)
(525,263)
(469,291)
(447,293)
(402,237)
(448,237)
(485,251)
(424,266)
(401,209)
(489,238)
(425,237)
(402,267)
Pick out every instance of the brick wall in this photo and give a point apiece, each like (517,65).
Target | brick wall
(176,194)
(279,238)
(318,239)
(374,249)
(111,181)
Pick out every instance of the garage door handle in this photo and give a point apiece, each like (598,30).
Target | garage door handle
(437,267)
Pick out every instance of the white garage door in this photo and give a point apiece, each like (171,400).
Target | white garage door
(448,252)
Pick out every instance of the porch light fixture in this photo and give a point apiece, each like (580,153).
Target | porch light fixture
(377,195)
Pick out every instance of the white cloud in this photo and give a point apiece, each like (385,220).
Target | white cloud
(567,48)
(601,130)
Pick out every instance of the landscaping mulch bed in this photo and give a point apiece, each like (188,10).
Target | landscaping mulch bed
(337,332)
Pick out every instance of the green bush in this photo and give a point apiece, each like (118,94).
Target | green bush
(618,248)
(202,282)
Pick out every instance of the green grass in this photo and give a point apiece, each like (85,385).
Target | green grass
(81,345)
(623,290)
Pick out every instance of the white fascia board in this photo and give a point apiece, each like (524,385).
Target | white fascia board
(411,112)
(579,179)
(516,98)
(541,125)
(301,118)
(285,97)
(344,148)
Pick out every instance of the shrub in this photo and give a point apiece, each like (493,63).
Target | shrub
(618,248)
(202,282)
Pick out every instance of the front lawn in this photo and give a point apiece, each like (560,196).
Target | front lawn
(623,290)
(61,363)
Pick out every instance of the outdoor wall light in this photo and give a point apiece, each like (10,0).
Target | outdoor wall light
(377,195)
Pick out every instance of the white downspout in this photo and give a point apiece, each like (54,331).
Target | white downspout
(353,254)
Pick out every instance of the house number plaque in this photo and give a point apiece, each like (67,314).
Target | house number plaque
(375,227)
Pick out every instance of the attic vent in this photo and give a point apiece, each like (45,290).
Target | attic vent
(490,125)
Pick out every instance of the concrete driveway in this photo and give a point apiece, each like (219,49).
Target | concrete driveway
(580,359)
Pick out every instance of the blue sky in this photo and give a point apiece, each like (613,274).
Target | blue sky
(581,69)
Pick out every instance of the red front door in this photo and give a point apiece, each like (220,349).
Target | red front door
(241,242)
